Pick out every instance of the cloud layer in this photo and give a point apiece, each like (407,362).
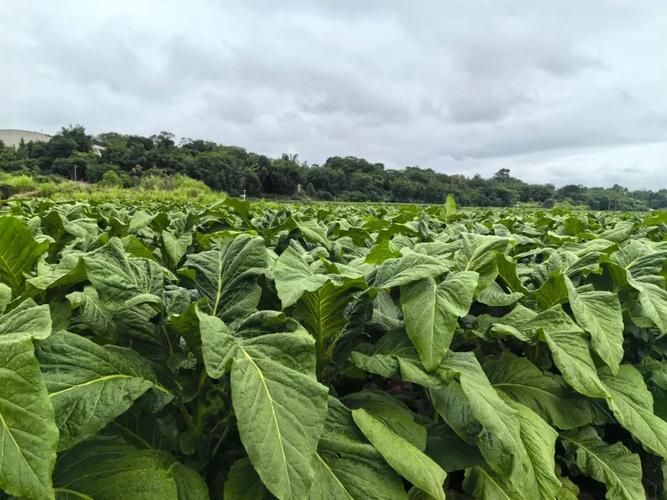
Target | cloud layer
(557,91)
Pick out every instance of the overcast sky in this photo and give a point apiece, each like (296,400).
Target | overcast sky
(561,91)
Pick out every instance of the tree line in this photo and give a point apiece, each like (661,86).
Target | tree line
(119,159)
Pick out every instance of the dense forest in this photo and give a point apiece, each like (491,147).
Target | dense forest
(118,159)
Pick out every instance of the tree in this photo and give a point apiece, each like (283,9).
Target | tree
(73,167)
(502,174)
(77,133)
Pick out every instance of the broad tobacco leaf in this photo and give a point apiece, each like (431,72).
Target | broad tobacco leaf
(279,405)
(227,275)
(569,347)
(640,266)
(476,412)
(479,253)
(406,269)
(108,469)
(401,455)
(118,277)
(432,311)
(69,270)
(544,393)
(539,439)
(28,432)
(632,404)
(449,451)
(19,251)
(176,245)
(27,320)
(482,483)
(614,465)
(599,313)
(243,483)
(325,313)
(392,412)
(112,320)
(5,297)
(294,276)
(347,466)
(90,385)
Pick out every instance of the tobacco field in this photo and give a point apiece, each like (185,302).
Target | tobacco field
(254,351)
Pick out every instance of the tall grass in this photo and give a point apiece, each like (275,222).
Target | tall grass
(178,188)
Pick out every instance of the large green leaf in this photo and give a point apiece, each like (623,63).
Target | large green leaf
(90,385)
(94,314)
(632,405)
(132,318)
(28,432)
(508,272)
(323,313)
(653,299)
(568,490)
(346,466)
(431,312)
(243,483)
(483,484)
(109,469)
(176,245)
(449,208)
(409,267)
(570,350)
(449,451)
(118,277)
(27,320)
(614,465)
(381,251)
(567,342)
(640,266)
(493,295)
(403,457)
(5,297)
(69,270)
(539,439)
(542,392)
(638,259)
(294,277)
(19,251)
(552,292)
(476,412)
(383,358)
(599,313)
(392,412)
(227,275)
(279,405)
(479,253)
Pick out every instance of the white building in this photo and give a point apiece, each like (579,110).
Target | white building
(12,137)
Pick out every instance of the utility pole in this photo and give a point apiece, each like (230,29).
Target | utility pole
(75,166)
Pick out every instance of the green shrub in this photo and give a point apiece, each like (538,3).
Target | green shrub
(111,179)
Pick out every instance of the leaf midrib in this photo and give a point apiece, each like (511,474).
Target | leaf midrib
(525,386)
(604,464)
(496,483)
(317,454)
(7,430)
(94,381)
(273,414)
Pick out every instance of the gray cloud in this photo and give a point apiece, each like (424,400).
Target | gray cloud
(557,91)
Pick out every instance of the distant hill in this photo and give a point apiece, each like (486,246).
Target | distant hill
(12,137)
